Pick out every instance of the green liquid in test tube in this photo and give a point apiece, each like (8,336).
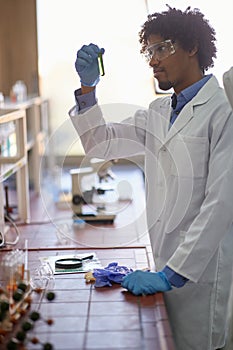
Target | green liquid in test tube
(101,64)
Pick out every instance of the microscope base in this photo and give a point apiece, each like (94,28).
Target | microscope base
(106,219)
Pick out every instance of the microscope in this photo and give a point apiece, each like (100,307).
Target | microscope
(82,199)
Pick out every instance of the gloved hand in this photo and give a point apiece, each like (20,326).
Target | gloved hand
(86,64)
(144,282)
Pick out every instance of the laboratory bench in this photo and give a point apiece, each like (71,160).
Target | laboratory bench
(83,316)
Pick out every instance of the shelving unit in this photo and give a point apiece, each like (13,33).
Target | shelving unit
(36,110)
(17,163)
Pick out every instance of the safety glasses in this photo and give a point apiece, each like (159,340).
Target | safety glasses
(160,51)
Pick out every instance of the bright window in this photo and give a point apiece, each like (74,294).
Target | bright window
(65,25)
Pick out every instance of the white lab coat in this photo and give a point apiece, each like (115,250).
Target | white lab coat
(189,194)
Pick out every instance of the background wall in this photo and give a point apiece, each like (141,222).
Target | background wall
(18,45)
(65,25)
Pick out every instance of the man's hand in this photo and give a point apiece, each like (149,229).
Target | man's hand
(144,282)
(86,64)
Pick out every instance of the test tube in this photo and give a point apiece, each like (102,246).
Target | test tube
(26,270)
(101,63)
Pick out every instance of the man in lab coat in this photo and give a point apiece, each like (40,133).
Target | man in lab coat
(188,147)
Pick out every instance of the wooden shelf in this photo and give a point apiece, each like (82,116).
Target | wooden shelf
(30,144)
(16,164)
(36,111)
(6,170)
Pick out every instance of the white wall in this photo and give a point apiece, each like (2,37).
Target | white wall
(65,25)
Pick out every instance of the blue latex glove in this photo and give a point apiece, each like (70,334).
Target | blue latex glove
(111,273)
(144,282)
(86,64)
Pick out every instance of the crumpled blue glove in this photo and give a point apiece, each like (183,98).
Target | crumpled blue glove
(144,282)
(86,64)
(111,273)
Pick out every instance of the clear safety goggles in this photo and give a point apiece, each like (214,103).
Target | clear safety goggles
(160,51)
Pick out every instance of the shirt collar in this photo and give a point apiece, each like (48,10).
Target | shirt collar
(187,94)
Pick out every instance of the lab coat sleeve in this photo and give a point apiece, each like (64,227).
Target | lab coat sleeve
(216,213)
(109,140)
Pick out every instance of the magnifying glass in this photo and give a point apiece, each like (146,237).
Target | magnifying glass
(71,263)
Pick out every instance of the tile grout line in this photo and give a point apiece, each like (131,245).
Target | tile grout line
(143,345)
(87,319)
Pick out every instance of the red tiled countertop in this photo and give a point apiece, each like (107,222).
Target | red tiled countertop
(86,317)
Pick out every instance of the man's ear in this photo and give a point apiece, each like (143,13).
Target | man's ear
(193,51)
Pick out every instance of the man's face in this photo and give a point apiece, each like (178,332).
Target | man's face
(175,70)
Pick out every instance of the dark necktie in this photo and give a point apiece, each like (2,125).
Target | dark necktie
(174,100)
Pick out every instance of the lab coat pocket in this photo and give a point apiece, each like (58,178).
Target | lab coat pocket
(189,156)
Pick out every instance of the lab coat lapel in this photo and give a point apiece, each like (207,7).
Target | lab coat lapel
(188,112)
(162,124)
(185,116)
(162,129)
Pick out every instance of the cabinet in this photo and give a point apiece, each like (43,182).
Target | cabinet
(14,161)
